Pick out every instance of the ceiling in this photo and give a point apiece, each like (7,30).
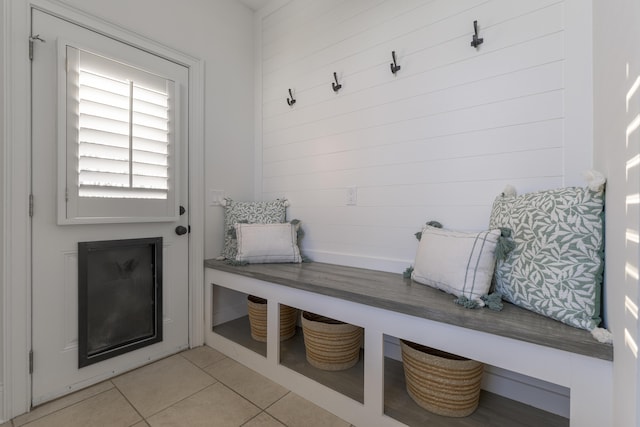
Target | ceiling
(254,4)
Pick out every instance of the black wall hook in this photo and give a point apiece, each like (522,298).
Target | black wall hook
(336,86)
(476,41)
(394,67)
(291,100)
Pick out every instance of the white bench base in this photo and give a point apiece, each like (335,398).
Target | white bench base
(589,379)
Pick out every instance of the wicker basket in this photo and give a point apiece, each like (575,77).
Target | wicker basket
(331,345)
(258,319)
(440,382)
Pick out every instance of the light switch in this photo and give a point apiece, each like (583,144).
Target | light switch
(352,196)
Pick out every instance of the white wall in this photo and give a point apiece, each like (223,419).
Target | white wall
(221,33)
(439,140)
(2,197)
(617,104)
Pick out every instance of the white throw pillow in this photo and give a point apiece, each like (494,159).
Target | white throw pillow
(459,263)
(267,243)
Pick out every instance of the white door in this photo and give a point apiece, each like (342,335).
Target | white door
(55,246)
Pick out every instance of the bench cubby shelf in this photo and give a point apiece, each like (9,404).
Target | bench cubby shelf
(385,304)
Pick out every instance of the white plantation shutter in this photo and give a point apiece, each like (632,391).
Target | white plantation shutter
(120,147)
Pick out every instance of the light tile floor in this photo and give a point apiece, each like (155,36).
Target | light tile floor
(198,387)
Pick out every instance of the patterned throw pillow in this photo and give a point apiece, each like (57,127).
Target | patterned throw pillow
(456,262)
(251,213)
(556,266)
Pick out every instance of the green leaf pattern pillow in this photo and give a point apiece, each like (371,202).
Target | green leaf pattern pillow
(556,266)
(251,213)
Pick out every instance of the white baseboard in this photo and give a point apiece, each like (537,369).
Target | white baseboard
(351,260)
(530,391)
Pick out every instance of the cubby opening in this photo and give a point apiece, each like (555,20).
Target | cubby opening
(230,318)
(493,409)
(349,382)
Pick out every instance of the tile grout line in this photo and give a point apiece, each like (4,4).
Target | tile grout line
(215,381)
(277,400)
(130,404)
(202,368)
(66,407)
(243,397)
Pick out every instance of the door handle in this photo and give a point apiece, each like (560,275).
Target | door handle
(181,229)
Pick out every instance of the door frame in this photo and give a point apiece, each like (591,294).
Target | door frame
(15,389)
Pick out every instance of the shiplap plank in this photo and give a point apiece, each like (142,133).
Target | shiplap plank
(333,37)
(396,242)
(532,108)
(518,137)
(318,18)
(389,21)
(410,196)
(445,40)
(439,140)
(362,216)
(412,152)
(544,162)
(354,55)
(292,17)
(422,73)
(529,82)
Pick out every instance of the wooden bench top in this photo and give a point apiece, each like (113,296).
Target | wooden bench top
(391,291)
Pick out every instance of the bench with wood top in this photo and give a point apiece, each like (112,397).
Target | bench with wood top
(387,304)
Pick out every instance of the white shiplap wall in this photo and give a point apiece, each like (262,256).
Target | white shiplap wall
(437,141)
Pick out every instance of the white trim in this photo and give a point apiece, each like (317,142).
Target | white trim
(69,204)
(578,107)
(196,202)
(16,306)
(392,265)
(258,16)
(16,314)
(257,108)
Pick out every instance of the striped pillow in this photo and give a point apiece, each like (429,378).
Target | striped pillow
(456,262)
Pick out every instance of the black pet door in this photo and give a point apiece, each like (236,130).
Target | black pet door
(119,297)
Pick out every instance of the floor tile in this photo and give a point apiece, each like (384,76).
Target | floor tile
(203,356)
(108,409)
(214,406)
(294,411)
(61,403)
(246,382)
(263,420)
(155,387)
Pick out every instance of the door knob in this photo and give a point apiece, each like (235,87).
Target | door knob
(180,230)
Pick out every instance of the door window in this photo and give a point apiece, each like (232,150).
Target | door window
(119,147)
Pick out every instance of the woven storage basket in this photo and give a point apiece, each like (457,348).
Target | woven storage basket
(330,344)
(258,319)
(440,382)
